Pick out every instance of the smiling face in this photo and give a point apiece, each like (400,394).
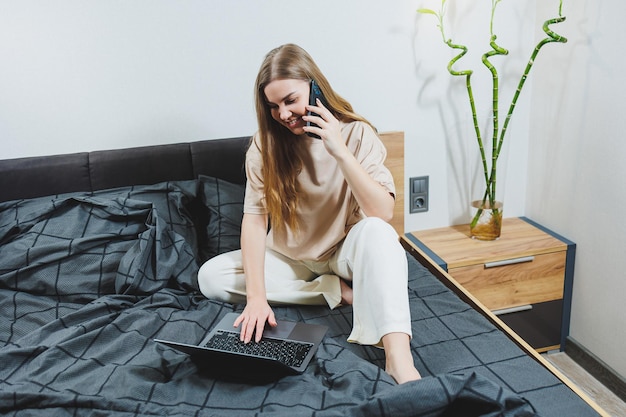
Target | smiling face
(287,100)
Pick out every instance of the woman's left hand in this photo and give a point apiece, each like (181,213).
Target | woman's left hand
(329,129)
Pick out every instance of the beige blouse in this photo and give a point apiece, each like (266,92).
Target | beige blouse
(328,208)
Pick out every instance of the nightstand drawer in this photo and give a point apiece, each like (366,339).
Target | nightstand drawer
(540,326)
(538,279)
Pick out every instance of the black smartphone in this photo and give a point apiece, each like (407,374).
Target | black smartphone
(314,94)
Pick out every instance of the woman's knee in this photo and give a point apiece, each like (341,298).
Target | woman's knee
(374,234)
(376,228)
(206,271)
(214,273)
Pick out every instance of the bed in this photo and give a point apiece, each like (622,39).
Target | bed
(99,253)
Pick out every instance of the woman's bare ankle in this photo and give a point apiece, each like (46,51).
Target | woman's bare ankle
(398,358)
(346,293)
(404,374)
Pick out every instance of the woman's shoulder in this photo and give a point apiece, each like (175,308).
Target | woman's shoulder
(358,129)
(253,153)
(361,134)
(255,143)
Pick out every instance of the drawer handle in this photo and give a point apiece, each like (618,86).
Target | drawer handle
(512,310)
(509,262)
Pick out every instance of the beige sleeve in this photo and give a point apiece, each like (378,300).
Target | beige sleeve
(255,196)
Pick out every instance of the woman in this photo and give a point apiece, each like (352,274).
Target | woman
(328,200)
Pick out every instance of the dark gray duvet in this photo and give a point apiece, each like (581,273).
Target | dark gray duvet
(87,281)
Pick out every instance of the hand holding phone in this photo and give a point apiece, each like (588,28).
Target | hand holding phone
(314,94)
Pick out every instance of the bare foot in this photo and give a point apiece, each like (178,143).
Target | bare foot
(404,374)
(346,293)
(398,359)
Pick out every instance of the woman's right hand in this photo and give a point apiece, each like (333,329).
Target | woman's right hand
(253,318)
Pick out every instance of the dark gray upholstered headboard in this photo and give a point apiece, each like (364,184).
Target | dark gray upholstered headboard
(89,171)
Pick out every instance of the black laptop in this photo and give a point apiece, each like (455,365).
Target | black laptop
(283,350)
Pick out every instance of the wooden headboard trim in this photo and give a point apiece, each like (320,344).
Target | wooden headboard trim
(394,142)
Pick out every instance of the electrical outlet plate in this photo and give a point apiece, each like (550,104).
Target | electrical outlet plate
(418,194)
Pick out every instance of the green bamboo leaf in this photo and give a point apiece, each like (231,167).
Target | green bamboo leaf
(427,11)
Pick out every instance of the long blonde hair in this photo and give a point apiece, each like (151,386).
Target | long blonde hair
(281,154)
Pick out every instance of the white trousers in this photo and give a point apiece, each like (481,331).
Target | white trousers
(371,257)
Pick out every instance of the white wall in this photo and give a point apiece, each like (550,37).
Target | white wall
(87,75)
(81,75)
(577,170)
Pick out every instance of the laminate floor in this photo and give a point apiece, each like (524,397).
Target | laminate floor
(610,402)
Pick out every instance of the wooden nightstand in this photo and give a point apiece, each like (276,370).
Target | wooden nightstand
(525,277)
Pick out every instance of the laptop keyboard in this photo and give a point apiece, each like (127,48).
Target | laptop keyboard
(289,352)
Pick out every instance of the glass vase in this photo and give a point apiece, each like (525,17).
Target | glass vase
(486,208)
(486,221)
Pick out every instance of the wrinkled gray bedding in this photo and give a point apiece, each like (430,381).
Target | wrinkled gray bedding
(88,280)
